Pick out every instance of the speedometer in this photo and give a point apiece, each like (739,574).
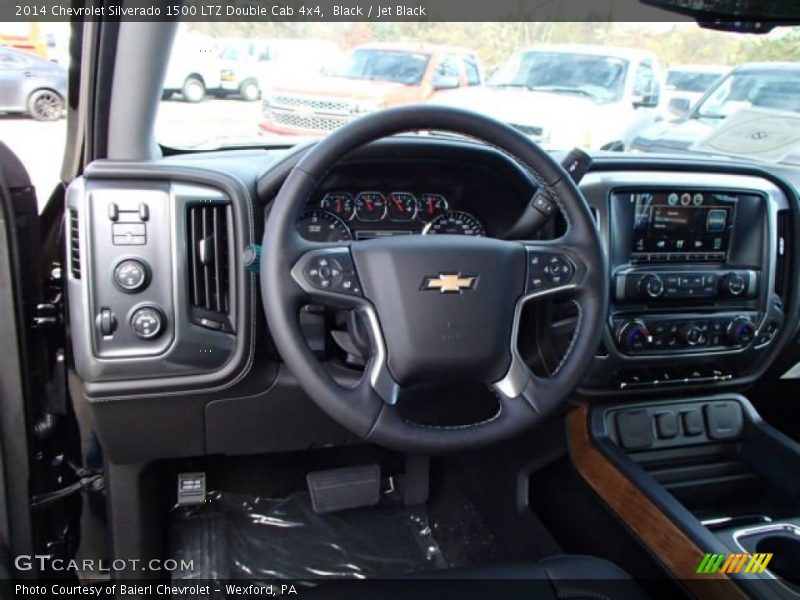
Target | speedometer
(455,222)
(322,226)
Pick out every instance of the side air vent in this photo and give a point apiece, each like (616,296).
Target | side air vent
(74,244)
(210,286)
(781,251)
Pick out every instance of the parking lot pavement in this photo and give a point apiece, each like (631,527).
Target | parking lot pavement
(40,145)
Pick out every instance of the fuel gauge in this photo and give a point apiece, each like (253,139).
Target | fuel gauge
(430,206)
(370,206)
(338,203)
(401,207)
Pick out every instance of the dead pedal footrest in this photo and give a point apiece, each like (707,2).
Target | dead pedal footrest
(340,489)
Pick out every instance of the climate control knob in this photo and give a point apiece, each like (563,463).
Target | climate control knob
(733,284)
(692,335)
(633,335)
(741,331)
(652,286)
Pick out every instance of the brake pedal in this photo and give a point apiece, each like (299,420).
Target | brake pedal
(340,489)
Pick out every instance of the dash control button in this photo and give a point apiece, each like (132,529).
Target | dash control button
(147,322)
(131,275)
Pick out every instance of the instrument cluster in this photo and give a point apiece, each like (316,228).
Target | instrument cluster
(343,216)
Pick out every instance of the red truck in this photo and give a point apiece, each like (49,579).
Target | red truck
(373,77)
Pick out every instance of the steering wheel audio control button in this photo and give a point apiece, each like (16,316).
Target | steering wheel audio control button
(333,273)
(131,275)
(147,322)
(547,270)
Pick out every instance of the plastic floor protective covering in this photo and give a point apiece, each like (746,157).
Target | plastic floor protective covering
(233,536)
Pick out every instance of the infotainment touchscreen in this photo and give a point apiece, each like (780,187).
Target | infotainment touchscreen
(685,223)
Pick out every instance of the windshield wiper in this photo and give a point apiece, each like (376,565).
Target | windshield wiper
(509,85)
(561,89)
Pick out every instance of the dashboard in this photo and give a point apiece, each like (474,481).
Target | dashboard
(168,337)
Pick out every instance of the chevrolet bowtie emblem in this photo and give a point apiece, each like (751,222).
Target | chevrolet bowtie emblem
(450,283)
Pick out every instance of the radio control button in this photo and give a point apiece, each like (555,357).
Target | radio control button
(652,286)
(733,284)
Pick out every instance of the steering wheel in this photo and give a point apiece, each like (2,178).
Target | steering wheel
(438,308)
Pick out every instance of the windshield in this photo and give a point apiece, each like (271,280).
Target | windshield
(664,87)
(599,77)
(385,65)
(778,90)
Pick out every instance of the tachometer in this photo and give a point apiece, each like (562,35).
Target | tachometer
(370,206)
(322,226)
(430,206)
(401,207)
(338,203)
(456,222)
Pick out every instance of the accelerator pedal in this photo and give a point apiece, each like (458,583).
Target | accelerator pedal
(340,489)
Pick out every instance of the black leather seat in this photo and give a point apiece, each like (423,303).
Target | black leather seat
(564,577)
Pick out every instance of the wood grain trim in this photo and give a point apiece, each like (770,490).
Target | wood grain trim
(664,539)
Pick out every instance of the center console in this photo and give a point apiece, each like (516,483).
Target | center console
(697,265)
(708,487)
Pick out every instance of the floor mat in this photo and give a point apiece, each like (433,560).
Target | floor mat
(234,536)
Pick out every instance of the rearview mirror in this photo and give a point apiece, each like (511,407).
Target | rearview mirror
(679,106)
(446,82)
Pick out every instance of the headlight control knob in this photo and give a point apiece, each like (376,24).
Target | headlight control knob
(131,275)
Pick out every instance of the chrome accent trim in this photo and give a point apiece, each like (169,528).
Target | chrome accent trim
(380,378)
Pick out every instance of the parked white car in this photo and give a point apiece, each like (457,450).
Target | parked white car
(248,66)
(688,83)
(566,96)
(193,70)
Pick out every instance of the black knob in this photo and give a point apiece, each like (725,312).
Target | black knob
(733,284)
(741,331)
(652,286)
(147,322)
(692,335)
(131,275)
(633,335)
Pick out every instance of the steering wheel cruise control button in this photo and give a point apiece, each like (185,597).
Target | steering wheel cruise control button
(131,275)
(147,322)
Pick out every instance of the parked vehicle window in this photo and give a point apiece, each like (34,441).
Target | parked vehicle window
(690,81)
(772,90)
(386,65)
(472,70)
(599,77)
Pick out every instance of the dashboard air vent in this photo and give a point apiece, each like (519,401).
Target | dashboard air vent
(209,265)
(74,244)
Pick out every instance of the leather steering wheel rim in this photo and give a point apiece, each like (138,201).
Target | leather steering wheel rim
(368,409)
